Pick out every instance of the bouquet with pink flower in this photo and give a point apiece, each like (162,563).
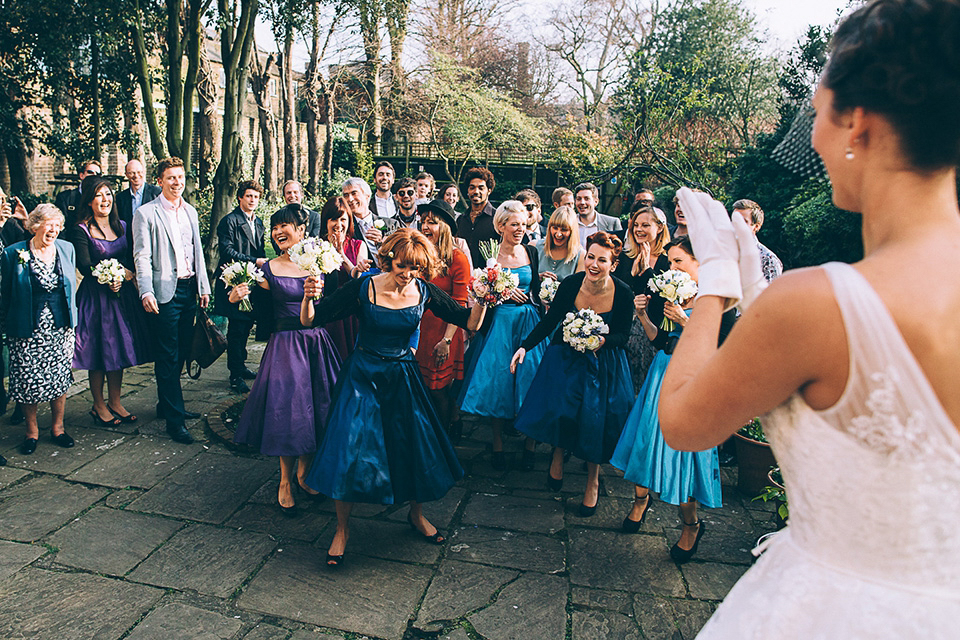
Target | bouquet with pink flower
(492,284)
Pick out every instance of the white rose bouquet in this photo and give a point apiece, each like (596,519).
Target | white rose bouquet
(109,272)
(492,285)
(315,256)
(548,289)
(237,273)
(673,286)
(583,330)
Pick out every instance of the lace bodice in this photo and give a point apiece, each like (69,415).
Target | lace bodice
(874,481)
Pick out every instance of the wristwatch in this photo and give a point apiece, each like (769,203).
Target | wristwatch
(448,340)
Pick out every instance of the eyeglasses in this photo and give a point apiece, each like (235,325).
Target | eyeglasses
(645,201)
(406,192)
(530,206)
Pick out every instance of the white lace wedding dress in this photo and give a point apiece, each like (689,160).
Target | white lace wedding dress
(872,549)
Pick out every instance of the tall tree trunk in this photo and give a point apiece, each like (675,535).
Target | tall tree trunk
(312,100)
(260,80)
(291,150)
(236,42)
(209,121)
(95,90)
(146,85)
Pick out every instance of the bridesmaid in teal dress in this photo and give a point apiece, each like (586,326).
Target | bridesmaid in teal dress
(681,478)
(384,443)
(489,390)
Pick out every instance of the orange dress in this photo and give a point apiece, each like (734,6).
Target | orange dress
(432,328)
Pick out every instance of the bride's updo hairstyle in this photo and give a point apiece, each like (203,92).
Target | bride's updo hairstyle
(409,247)
(901,59)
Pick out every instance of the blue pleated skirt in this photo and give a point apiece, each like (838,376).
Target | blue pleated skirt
(489,388)
(578,401)
(383,442)
(647,460)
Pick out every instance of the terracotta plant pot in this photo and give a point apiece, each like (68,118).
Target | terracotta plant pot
(754,460)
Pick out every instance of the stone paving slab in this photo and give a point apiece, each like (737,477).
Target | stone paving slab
(306,526)
(208,488)
(8,476)
(508,512)
(711,580)
(176,620)
(36,603)
(387,540)
(529,552)
(458,589)
(534,606)
(600,625)
(364,595)
(609,560)
(602,599)
(49,458)
(109,541)
(264,631)
(34,508)
(15,556)
(209,560)
(141,461)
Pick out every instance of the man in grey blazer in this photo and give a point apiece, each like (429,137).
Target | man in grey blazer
(586,197)
(138,193)
(370,228)
(168,255)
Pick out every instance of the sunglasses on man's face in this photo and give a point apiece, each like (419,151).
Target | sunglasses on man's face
(530,206)
(406,192)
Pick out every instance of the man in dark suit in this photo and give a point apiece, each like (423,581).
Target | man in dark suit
(240,236)
(68,200)
(138,193)
(293,194)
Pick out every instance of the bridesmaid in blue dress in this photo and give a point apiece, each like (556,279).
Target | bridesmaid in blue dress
(681,478)
(111,330)
(384,443)
(288,404)
(488,390)
(579,401)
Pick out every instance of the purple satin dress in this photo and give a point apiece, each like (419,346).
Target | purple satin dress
(290,398)
(111,333)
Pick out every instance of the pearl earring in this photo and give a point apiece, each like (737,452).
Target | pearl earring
(849,154)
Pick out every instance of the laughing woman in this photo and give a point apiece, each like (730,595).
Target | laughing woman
(579,401)
(288,404)
(384,443)
(488,390)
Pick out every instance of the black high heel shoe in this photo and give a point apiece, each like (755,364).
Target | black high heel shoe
(28,446)
(97,420)
(300,489)
(681,556)
(334,561)
(554,484)
(436,538)
(127,419)
(291,511)
(632,526)
(585,511)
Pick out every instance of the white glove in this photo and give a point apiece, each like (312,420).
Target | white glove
(752,279)
(715,245)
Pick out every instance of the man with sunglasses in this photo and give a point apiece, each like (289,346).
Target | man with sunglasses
(531,202)
(68,200)
(407,204)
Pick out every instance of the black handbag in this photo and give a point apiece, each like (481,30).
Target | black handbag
(209,343)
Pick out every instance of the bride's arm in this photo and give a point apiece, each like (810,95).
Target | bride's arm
(792,338)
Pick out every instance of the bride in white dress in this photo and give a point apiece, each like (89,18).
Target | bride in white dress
(857,367)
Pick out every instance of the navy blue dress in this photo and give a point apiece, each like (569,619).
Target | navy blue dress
(580,401)
(383,442)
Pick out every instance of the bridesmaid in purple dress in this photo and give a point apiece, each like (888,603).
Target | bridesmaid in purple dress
(288,403)
(111,330)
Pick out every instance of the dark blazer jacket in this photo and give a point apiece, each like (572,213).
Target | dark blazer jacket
(125,201)
(68,201)
(237,243)
(16,290)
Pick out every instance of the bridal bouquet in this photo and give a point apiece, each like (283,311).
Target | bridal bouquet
(583,330)
(315,256)
(109,272)
(237,273)
(548,289)
(673,286)
(492,285)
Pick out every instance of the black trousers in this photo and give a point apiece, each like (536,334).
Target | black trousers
(172,330)
(239,326)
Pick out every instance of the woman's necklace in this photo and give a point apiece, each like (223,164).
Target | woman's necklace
(44,254)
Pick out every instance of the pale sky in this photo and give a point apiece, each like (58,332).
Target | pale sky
(788,19)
